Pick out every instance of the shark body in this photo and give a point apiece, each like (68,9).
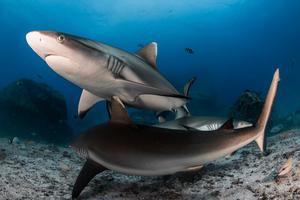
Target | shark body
(125,147)
(103,71)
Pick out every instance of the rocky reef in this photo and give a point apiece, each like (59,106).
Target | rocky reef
(247,107)
(33,110)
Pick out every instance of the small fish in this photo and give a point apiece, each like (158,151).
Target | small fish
(286,168)
(189,50)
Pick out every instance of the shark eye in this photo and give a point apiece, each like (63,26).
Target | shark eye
(61,38)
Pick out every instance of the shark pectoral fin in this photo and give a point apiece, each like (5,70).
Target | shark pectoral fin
(228,125)
(149,54)
(140,89)
(87,173)
(86,102)
(118,112)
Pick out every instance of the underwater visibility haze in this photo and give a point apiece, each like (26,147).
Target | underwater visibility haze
(133,99)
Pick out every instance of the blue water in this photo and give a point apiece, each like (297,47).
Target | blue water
(237,43)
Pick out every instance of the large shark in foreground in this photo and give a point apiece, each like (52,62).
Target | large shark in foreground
(104,71)
(129,148)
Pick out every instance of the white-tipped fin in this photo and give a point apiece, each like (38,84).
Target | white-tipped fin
(265,114)
(86,102)
(149,54)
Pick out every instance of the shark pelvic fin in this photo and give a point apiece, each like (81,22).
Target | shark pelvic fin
(183,111)
(87,173)
(118,112)
(228,125)
(149,54)
(86,102)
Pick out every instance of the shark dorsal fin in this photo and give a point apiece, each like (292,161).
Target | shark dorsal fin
(228,125)
(118,112)
(149,54)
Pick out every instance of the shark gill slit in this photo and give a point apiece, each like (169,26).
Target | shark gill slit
(114,65)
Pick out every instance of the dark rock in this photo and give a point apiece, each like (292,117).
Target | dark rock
(247,107)
(66,154)
(29,107)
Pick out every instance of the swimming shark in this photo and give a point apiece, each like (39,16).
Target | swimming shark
(184,119)
(103,71)
(134,149)
(201,123)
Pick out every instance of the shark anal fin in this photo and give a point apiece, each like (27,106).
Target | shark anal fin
(87,173)
(86,102)
(149,54)
(228,125)
(118,112)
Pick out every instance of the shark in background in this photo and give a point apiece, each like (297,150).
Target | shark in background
(103,71)
(184,120)
(135,149)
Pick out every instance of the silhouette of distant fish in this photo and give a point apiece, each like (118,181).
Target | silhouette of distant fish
(39,76)
(189,50)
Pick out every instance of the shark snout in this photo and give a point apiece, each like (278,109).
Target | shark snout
(37,40)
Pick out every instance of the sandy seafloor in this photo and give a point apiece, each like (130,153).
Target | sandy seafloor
(32,170)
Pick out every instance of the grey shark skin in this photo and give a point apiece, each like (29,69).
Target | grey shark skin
(134,149)
(201,123)
(104,71)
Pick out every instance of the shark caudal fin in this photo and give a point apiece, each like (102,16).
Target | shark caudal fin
(265,113)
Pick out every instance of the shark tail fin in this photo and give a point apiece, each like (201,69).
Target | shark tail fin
(265,114)
(183,110)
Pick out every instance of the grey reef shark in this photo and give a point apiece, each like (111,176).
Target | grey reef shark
(103,71)
(134,149)
(184,119)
